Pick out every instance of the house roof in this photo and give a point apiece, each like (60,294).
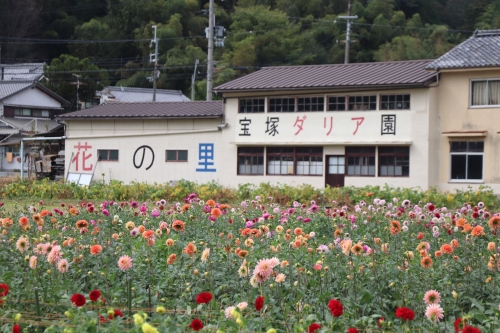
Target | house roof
(395,74)
(131,94)
(482,49)
(9,88)
(23,72)
(30,125)
(211,109)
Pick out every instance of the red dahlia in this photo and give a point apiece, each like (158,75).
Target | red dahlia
(16,329)
(313,327)
(78,299)
(405,313)
(204,297)
(94,295)
(196,324)
(117,313)
(457,324)
(336,308)
(352,330)
(259,303)
(4,289)
(471,329)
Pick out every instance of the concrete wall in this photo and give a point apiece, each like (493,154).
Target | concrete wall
(456,115)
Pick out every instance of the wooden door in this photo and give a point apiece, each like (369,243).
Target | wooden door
(335,170)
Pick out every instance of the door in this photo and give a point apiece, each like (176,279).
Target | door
(335,170)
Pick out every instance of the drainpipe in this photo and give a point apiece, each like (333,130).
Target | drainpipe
(35,139)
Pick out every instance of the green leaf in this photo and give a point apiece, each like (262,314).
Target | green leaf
(367,297)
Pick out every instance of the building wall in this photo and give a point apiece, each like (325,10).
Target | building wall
(143,138)
(456,115)
(332,131)
(33,97)
(412,129)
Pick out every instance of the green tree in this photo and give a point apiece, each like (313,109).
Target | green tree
(60,79)
(490,19)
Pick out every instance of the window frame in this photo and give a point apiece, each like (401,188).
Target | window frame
(176,155)
(471,106)
(296,103)
(348,154)
(395,102)
(294,155)
(381,154)
(108,155)
(348,102)
(345,97)
(252,98)
(466,153)
(251,154)
(19,112)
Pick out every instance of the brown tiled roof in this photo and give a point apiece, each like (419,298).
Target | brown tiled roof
(212,109)
(337,76)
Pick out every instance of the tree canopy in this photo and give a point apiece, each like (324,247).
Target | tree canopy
(115,35)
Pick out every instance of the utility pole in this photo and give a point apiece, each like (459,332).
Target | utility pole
(348,31)
(210,50)
(155,61)
(77,88)
(193,79)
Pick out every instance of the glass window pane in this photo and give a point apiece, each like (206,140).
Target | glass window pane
(458,165)
(103,155)
(475,167)
(479,93)
(333,169)
(182,155)
(171,155)
(341,169)
(113,155)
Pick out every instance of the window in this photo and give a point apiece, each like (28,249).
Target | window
(485,92)
(394,161)
(467,160)
(176,156)
(250,160)
(360,161)
(282,105)
(336,103)
(295,161)
(40,113)
(362,103)
(32,113)
(107,155)
(13,149)
(395,102)
(310,104)
(249,105)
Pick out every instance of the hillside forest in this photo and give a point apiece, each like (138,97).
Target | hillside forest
(107,42)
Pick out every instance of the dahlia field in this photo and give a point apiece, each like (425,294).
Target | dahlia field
(379,266)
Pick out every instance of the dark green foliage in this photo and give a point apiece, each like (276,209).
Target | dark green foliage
(259,33)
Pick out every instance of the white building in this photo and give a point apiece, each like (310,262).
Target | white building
(354,124)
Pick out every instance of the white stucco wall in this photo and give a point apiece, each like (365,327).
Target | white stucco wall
(32,97)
